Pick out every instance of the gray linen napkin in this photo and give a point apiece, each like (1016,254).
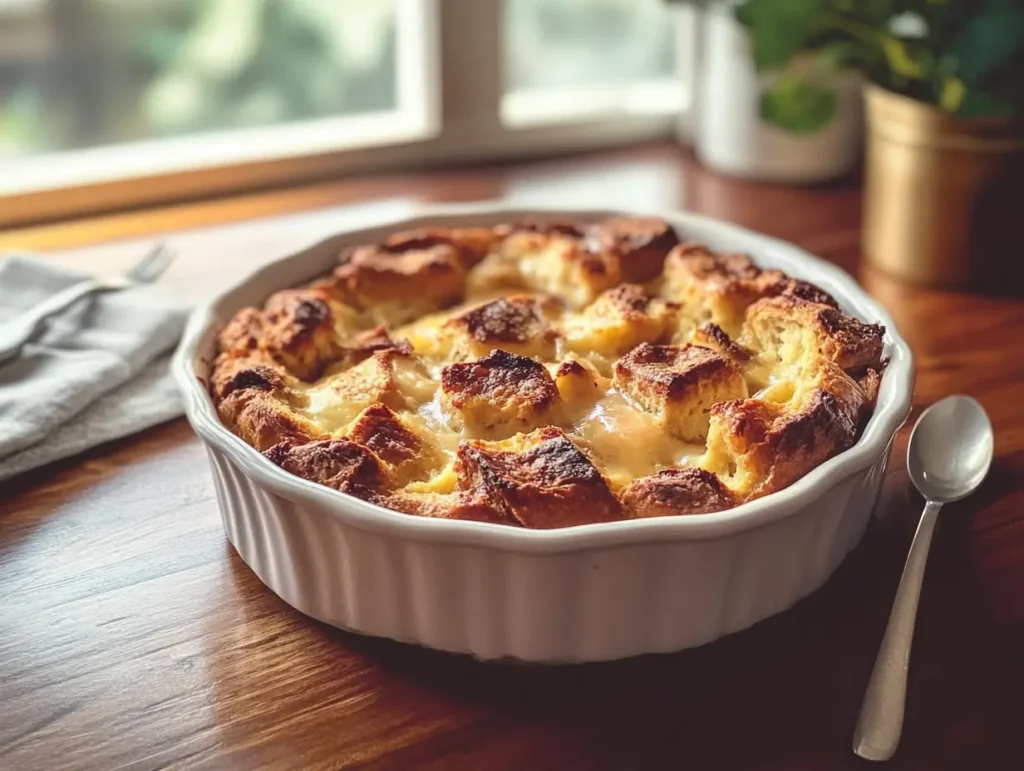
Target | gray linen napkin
(96,372)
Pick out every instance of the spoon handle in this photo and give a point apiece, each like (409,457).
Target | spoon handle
(881,715)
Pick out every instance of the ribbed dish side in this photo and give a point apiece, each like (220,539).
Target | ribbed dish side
(578,606)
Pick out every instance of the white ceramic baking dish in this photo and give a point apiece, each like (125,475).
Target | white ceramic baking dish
(586,593)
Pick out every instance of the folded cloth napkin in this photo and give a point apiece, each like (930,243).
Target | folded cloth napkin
(95,372)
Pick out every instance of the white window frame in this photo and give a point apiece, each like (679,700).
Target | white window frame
(450,88)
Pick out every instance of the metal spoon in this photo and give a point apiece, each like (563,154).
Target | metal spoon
(948,457)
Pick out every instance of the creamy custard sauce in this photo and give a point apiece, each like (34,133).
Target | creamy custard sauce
(334,401)
(630,443)
(438,426)
(328,410)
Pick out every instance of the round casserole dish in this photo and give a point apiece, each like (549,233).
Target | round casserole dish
(585,593)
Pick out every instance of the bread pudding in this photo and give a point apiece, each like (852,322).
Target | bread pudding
(544,375)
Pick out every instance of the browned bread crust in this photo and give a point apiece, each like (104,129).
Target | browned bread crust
(461,504)
(815,331)
(376,379)
(541,375)
(472,244)
(498,395)
(396,286)
(517,324)
(243,333)
(639,243)
(710,335)
(757,447)
(620,319)
(404,450)
(540,479)
(250,369)
(869,381)
(676,491)
(263,421)
(336,463)
(303,329)
(719,287)
(679,385)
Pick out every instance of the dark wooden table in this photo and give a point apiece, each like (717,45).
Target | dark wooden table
(132,635)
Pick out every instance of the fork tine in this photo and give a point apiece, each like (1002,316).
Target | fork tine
(161,262)
(140,268)
(150,267)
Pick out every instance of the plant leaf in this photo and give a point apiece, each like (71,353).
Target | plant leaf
(952,95)
(779,29)
(989,40)
(798,105)
(838,54)
(900,59)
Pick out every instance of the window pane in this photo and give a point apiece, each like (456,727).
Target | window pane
(569,43)
(85,73)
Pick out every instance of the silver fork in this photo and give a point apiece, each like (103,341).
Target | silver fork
(19,330)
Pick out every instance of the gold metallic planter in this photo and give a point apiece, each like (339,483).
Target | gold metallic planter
(943,196)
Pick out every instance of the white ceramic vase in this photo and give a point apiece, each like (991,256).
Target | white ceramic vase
(733,138)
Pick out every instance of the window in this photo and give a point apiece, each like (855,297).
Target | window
(110,103)
(101,72)
(572,58)
(96,93)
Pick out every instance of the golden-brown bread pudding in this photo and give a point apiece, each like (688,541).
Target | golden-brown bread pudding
(546,375)
(720,287)
(541,479)
(497,396)
(679,385)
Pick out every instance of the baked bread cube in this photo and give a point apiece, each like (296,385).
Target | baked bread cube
(639,243)
(498,395)
(461,504)
(390,377)
(518,324)
(243,333)
(336,463)
(676,491)
(303,329)
(869,381)
(790,336)
(361,346)
(399,443)
(256,399)
(619,320)
(579,384)
(710,335)
(472,244)
(576,263)
(757,447)
(249,369)
(710,286)
(719,287)
(679,385)
(541,479)
(262,418)
(397,286)
(554,262)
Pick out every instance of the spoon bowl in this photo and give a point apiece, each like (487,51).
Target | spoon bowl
(950,449)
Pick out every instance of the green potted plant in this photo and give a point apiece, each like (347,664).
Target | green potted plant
(945,101)
(794,119)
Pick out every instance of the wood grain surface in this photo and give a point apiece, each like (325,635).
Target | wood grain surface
(133,636)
